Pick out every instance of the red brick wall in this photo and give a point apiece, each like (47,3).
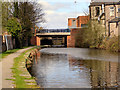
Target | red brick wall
(33,40)
(70,21)
(71,38)
(82,20)
(68,41)
(37,41)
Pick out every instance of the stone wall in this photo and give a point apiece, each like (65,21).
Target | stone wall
(93,12)
(119,28)
(105,18)
(113,29)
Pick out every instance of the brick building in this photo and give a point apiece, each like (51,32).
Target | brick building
(75,24)
(108,15)
(78,22)
(72,22)
(82,21)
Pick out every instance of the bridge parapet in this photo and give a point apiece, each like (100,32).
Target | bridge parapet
(53,31)
(54,34)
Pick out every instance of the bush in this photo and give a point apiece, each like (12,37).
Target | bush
(111,44)
(91,36)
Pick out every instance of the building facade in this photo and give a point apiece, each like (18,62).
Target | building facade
(72,22)
(79,22)
(75,24)
(108,15)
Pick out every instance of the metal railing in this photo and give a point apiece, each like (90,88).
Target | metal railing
(53,30)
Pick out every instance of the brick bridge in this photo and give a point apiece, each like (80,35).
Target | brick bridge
(51,37)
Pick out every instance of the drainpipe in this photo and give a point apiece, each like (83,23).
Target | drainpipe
(105,24)
(108,29)
(115,10)
(90,11)
(103,11)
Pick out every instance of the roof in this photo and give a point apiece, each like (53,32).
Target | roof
(115,20)
(72,18)
(106,3)
(83,16)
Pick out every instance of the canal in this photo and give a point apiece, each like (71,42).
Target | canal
(76,68)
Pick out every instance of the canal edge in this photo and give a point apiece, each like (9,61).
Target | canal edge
(21,76)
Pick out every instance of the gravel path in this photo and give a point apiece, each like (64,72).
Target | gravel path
(6,65)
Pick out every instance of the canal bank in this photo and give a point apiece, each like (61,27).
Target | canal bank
(14,72)
(22,74)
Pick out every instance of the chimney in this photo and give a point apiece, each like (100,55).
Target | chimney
(92,1)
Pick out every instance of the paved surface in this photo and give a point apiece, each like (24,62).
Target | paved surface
(6,65)
(0,75)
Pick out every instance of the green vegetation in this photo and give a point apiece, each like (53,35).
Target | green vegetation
(20,73)
(19,19)
(111,44)
(94,37)
(4,54)
(5,13)
(90,36)
(14,27)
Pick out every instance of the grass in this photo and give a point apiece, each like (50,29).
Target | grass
(4,54)
(18,70)
(19,81)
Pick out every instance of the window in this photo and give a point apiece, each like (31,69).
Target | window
(97,11)
(111,11)
(83,25)
(118,10)
(73,23)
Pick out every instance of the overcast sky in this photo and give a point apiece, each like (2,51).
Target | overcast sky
(57,12)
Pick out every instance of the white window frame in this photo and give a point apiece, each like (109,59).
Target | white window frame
(112,11)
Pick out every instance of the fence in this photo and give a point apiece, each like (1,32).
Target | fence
(6,43)
(53,30)
(1,39)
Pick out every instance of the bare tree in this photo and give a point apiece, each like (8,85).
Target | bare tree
(30,13)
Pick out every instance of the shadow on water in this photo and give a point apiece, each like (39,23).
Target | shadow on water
(66,71)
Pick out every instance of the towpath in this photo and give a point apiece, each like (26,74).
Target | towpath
(5,69)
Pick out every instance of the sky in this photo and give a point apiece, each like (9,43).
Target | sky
(57,12)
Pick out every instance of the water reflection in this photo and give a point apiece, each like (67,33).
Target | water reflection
(66,71)
(102,73)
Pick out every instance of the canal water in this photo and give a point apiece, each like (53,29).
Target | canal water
(76,68)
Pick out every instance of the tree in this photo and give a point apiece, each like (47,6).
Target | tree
(96,33)
(90,36)
(30,13)
(24,14)
(6,14)
(16,9)
(14,27)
